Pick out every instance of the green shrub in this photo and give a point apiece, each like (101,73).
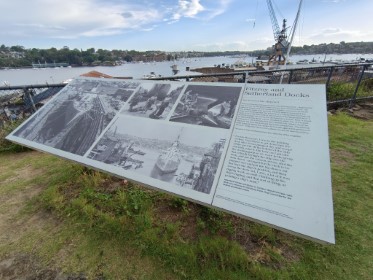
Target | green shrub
(343,90)
(367,84)
(340,90)
(8,146)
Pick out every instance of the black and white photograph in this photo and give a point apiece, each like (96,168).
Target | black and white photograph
(206,105)
(77,116)
(187,157)
(153,101)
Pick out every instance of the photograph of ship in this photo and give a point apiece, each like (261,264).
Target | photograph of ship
(153,101)
(186,157)
(76,117)
(207,105)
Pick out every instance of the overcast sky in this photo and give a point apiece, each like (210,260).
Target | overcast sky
(178,25)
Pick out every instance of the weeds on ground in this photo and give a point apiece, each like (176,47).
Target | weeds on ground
(8,146)
(189,239)
(345,90)
(340,90)
(195,242)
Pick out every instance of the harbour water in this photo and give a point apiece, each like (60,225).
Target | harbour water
(15,77)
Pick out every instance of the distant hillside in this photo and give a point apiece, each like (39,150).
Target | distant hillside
(342,47)
(18,56)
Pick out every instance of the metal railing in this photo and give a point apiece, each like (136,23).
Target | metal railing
(30,96)
(345,83)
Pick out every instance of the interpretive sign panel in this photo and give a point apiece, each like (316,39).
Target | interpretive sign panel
(259,151)
(277,168)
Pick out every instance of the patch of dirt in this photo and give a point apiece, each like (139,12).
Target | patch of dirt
(28,267)
(11,226)
(15,157)
(14,226)
(165,213)
(289,255)
(341,157)
(363,111)
(242,236)
(24,173)
(189,229)
(259,248)
(256,248)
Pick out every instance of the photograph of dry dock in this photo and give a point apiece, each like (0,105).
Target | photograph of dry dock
(187,157)
(153,101)
(207,105)
(73,121)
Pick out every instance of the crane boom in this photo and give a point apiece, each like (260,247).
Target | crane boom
(275,26)
(281,43)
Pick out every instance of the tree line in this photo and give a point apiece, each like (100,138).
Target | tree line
(19,56)
(341,48)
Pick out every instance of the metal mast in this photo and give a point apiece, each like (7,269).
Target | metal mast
(294,29)
(292,37)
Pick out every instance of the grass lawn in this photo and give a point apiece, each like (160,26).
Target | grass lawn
(82,222)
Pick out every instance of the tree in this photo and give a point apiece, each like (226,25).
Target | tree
(17,48)
(3,48)
(128,58)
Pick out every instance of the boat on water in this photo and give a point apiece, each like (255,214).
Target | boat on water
(303,61)
(151,75)
(169,160)
(174,68)
(314,61)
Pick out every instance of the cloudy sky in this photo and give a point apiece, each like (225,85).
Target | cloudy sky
(177,25)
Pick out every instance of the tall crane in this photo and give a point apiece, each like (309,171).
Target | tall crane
(281,43)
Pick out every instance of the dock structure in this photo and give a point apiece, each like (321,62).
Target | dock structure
(49,65)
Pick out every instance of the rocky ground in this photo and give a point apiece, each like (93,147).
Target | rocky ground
(362,111)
